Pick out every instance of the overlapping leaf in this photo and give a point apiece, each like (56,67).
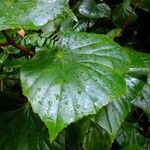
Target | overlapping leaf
(20,128)
(113,115)
(87,135)
(108,121)
(29,14)
(130,138)
(75,79)
(140,64)
(143,100)
(96,138)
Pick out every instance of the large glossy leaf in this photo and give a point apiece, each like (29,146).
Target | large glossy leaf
(113,115)
(75,79)
(90,9)
(30,14)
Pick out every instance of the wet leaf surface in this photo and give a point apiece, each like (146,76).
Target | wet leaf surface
(80,76)
(29,14)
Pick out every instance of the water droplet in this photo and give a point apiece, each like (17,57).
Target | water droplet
(77,105)
(46,108)
(95,104)
(49,103)
(57,97)
(71,109)
(39,89)
(66,103)
(41,102)
(87,88)
(38,97)
(71,119)
(79,92)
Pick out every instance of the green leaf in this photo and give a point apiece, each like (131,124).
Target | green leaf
(114,33)
(20,128)
(64,22)
(33,40)
(144,4)
(76,133)
(3,57)
(16,63)
(87,135)
(29,14)
(9,101)
(96,138)
(129,136)
(90,9)
(122,13)
(75,79)
(140,63)
(138,59)
(143,100)
(2,38)
(113,115)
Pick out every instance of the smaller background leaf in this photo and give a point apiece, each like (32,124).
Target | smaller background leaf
(90,9)
(122,13)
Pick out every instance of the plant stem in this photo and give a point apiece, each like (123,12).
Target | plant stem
(128,19)
(11,41)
